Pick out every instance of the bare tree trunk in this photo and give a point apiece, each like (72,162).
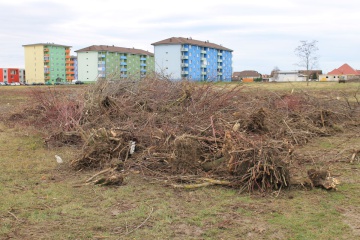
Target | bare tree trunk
(307,79)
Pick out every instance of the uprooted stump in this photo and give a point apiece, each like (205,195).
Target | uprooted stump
(322,179)
(259,169)
(186,155)
(103,148)
(257,121)
(115,179)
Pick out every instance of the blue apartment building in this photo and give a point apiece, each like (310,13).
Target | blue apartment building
(184,58)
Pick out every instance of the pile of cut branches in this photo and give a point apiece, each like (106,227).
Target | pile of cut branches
(238,137)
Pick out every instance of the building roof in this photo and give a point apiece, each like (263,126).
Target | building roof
(310,72)
(105,48)
(46,44)
(181,40)
(345,69)
(246,73)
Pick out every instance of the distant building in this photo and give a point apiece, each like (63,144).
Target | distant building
(100,61)
(288,76)
(246,76)
(344,72)
(12,75)
(47,62)
(74,67)
(312,74)
(185,58)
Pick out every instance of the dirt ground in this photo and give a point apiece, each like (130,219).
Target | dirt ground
(42,199)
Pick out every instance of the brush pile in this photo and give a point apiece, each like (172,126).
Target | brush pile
(242,138)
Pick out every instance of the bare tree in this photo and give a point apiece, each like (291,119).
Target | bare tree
(275,73)
(306,53)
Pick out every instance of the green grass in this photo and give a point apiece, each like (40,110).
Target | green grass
(317,219)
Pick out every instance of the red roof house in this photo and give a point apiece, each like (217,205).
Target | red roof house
(345,69)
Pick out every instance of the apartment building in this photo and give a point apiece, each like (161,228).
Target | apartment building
(185,58)
(12,75)
(47,62)
(73,68)
(111,62)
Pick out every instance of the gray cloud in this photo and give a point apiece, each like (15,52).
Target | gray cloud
(263,34)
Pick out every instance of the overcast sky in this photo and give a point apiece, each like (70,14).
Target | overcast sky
(262,33)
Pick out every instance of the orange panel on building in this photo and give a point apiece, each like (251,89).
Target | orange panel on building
(248,80)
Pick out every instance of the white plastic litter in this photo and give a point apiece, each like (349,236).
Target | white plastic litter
(132,147)
(58,159)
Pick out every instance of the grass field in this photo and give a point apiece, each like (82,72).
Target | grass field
(41,199)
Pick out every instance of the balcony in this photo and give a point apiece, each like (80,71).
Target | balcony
(101,62)
(203,65)
(184,65)
(219,67)
(219,73)
(203,73)
(123,64)
(69,62)
(47,77)
(121,57)
(143,59)
(184,57)
(46,49)
(219,54)
(142,70)
(101,68)
(219,60)
(184,72)
(123,69)
(70,78)
(67,51)
(101,55)
(184,49)
(123,75)
(203,51)
(70,72)
(46,55)
(69,67)
(143,64)
(203,59)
